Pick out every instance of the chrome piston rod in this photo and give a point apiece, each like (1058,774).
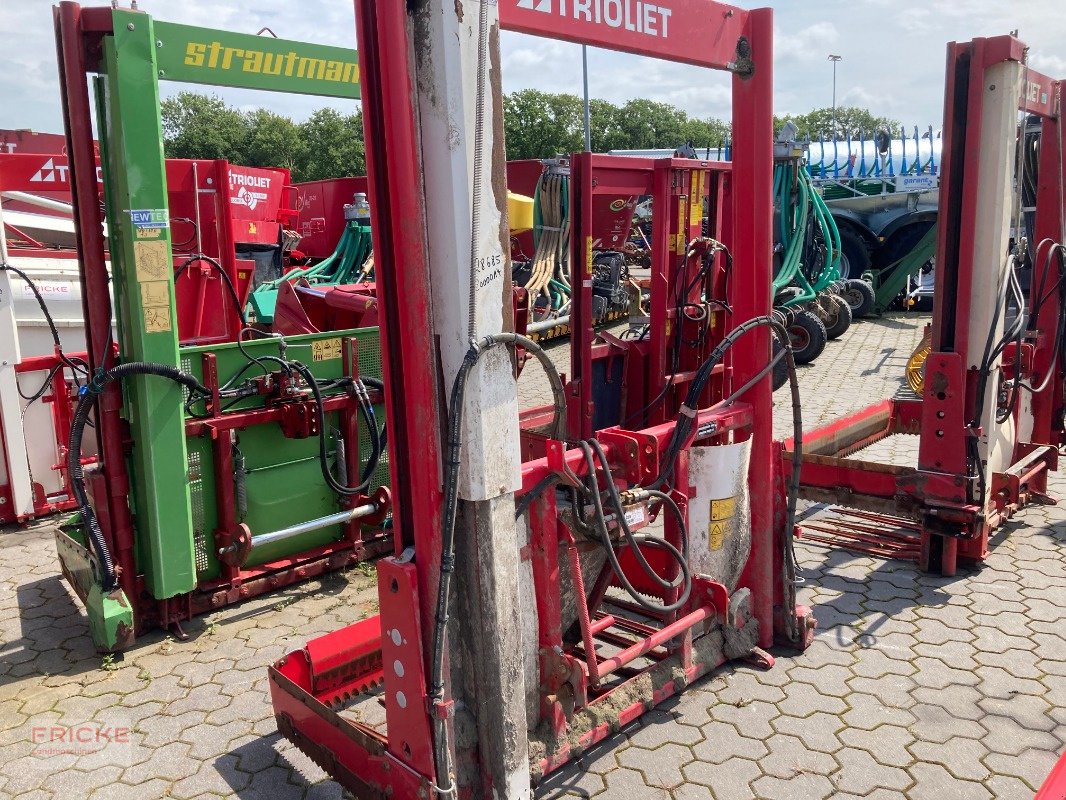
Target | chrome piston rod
(313,525)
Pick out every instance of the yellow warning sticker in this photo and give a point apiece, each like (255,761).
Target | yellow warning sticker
(155,293)
(679,238)
(716,535)
(157,319)
(325,349)
(695,213)
(149,233)
(588,256)
(723,509)
(152,260)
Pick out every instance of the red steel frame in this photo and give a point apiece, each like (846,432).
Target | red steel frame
(347,662)
(941,493)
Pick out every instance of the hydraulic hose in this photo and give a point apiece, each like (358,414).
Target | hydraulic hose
(451,507)
(323,446)
(86,398)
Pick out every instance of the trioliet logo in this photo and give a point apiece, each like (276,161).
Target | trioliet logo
(245,184)
(50,173)
(631,15)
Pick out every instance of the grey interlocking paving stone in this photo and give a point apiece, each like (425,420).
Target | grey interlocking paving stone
(873,662)
(572,780)
(1029,710)
(723,741)
(218,776)
(936,673)
(74,783)
(871,711)
(692,791)
(157,787)
(959,701)
(887,744)
(936,724)
(274,782)
(660,767)
(625,784)
(731,779)
(751,719)
(829,679)
(818,731)
(1006,787)
(802,700)
(961,757)
(170,761)
(933,782)
(1032,766)
(798,787)
(659,727)
(861,774)
(791,756)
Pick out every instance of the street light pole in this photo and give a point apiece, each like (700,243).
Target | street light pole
(835,58)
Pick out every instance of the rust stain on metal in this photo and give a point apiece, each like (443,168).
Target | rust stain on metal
(938,382)
(459,10)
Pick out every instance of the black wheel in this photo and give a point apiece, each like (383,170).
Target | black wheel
(839,316)
(808,337)
(854,255)
(780,373)
(860,296)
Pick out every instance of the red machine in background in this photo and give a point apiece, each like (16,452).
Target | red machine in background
(229,221)
(990,419)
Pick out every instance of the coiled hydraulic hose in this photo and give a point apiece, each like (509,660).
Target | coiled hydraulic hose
(86,399)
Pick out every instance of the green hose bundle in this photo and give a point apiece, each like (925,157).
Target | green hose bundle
(550,275)
(804,217)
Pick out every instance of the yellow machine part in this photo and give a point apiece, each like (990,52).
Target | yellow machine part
(519,212)
(916,363)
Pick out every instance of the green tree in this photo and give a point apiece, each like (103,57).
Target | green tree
(272,141)
(202,126)
(540,124)
(605,126)
(334,146)
(649,124)
(845,121)
(705,133)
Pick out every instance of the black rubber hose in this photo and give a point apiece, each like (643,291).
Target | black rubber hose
(616,501)
(612,556)
(323,446)
(86,399)
(688,412)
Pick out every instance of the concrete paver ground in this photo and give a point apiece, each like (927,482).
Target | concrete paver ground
(917,686)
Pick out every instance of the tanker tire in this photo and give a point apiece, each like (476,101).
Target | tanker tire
(808,337)
(860,296)
(839,316)
(854,255)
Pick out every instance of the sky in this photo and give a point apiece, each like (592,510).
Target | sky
(893,55)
